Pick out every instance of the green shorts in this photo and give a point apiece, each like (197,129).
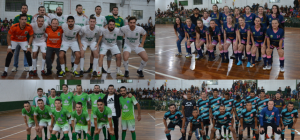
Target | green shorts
(105,124)
(63,127)
(45,122)
(128,124)
(79,128)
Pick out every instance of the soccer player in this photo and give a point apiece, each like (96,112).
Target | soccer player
(128,119)
(225,15)
(196,122)
(58,15)
(103,118)
(222,118)
(28,111)
(267,118)
(228,103)
(214,37)
(88,34)
(288,117)
(265,23)
(215,102)
(229,36)
(238,106)
(179,32)
(42,12)
(243,38)
(70,38)
(253,99)
(204,107)
(132,43)
(42,118)
(40,96)
(190,35)
(248,119)
(249,17)
(201,37)
(176,118)
(52,98)
(17,36)
(67,101)
(216,15)
(262,102)
(109,43)
(275,14)
(83,122)
(60,116)
(278,102)
(39,28)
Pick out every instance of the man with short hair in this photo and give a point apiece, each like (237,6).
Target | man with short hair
(238,106)
(176,118)
(248,119)
(288,117)
(187,107)
(196,124)
(42,118)
(253,99)
(51,100)
(203,108)
(28,110)
(228,103)
(58,15)
(83,122)
(215,102)
(40,96)
(67,101)
(42,12)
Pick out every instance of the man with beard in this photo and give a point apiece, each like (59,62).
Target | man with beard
(176,118)
(288,117)
(253,99)
(248,120)
(42,12)
(58,15)
(67,102)
(109,43)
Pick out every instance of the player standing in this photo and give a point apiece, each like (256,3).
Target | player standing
(229,36)
(238,106)
(262,102)
(67,101)
(42,12)
(203,107)
(190,35)
(176,118)
(187,106)
(40,96)
(215,102)
(287,116)
(42,118)
(243,38)
(83,122)
(228,103)
(28,110)
(253,99)
(214,37)
(248,119)
(52,98)
(58,15)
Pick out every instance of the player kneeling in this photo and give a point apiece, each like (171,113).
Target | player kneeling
(286,119)
(83,122)
(43,112)
(248,119)
(196,122)
(176,118)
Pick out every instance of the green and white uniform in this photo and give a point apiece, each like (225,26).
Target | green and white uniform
(93,100)
(36,98)
(81,121)
(128,121)
(44,115)
(102,117)
(52,101)
(61,119)
(83,98)
(30,120)
(119,22)
(67,102)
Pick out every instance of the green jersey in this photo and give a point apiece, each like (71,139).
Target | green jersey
(127,107)
(67,101)
(83,98)
(30,113)
(61,117)
(52,101)
(119,22)
(102,116)
(80,119)
(43,114)
(29,18)
(93,99)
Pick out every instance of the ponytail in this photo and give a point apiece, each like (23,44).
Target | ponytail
(198,28)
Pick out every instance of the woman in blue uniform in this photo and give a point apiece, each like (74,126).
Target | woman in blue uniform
(190,34)
(249,17)
(214,37)
(201,37)
(243,39)
(275,37)
(230,38)
(225,14)
(264,22)
(275,14)
(179,28)
(216,15)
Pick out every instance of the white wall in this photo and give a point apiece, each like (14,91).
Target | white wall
(187,83)
(273,85)
(136,84)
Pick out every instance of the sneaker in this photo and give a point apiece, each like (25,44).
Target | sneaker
(225,137)
(272,137)
(119,73)
(4,74)
(140,73)
(253,137)
(103,70)
(32,73)
(178,54)
(232,56)
(14,69)
(197,57)
(81,73)
(265,67)
(35,138)
(89,70)
(248,64)
(126,73)
(252,65)
(26,69)
(267,137)
(188,55)
(76,74)
(195,52)
(61,74)
(281,69)
(199,138)
(207,137)
(46,138)
(94,74)
(223,60)
(99,74)
(67,70)
(259,59)
(71,69)
(239,63)
(269,67)
(229,136)
(43,72)
(108,71)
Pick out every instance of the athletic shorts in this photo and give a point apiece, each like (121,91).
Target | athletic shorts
(192,39)
(79,128)
(258,44)
(206,122)
(244,42)
(236,120)
(66,45)
(219,126)
(137,49)
(252,126)
(273,125)
(277,47)
(63,127)
(171,126)
(203,39)
(215,42)
(289,125)
(92,45)
(114,49)
(104,124)
(45,122)
(230,41)
(42,45)
(195,127)
(30,123)
(22,44)
(128,124)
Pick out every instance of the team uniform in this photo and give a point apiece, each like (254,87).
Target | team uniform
(261,104)
(203,34)
(228,104)
(258,35)
(204,106)
(175,119)
(44,115)
(18,36)
(253,101)
(81,20)
(81,121)
(119,22)
(191,31)
(93,100)
(30,114)
(224,18)
(61,19)
(250,19)
(36,98)
(88,37)
(230,33)
(248,118)
(109,41)
(70,38)
(222,120)
(47,20)
(83,98)
(39,39)
(239,106)
(264,22)
(67,102)
(128,119)
(215,104)
(206,21)
(270,118)
(287,117)
(196,123)
(217,19)
(61,122)
(132,38)
(52,101)
(280,18)
(275,37)
(214,37)
(102,117)
(244,34)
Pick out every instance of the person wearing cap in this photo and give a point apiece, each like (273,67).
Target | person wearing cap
(194,19)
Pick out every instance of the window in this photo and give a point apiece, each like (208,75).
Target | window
(111,6)
(274,1)
(96,81)
(216,1)
(198,2)
(51,6)
(137,13)
(125,81)
(14,5)
(184,3)
(212,82)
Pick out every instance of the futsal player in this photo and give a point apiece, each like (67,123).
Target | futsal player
(238,106)
(215,102)
(253,99)
(42,118)
(179,32)
(248,119)
(67,102)
(201,37)
(190,35)
(230,38)
(264,22)
(83,122)
(214,38)
(42,13)
(288,117)
(216,16)
(228,103)
(262,102)
(196,123)
(204,107)
(243,37)
(224,15)
(51,100)
(176,118)
(28,111)
(249,19)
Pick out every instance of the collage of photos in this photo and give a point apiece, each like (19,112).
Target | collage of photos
(149,70)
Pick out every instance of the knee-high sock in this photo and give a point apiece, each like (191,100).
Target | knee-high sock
(142,65)
(95,61)
(66,136)
(8,59)
(236,55)
(259,52)
(240,54)
(125,63)
(248,132)
(29,60)
(220,131)
(183,137)
(123,135)
(81,63)
(63,67)
(253,58)
(241,137)
(45,131)
(236,128)
(228,132)
(75,67)
(96,137)
(28,136)
(133,136)
(269,58)
(257,136)
(91,64)
(222,54)
(168,136)
(43,64)
(206,131)
(281,59)
(112,137)
(89,137)
(74,136)
(200,52)
(92,131)
(293,135)
(104,132)
(34,64)
(277,136)
(249,56)
(189,49)
(53,137)
(189,137)
(58,135)
(84,135)
(265,59)
(212,53)
(224,129)
(226,54)
(79,135)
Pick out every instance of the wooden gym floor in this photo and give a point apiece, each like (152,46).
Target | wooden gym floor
(169,66)
(13,127)
(176,134)
(134,63)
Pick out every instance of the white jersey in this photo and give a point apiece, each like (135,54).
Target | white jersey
(110,38)
(46,20)
(89,35)
(80,20)
(61,19)
(70,35)
(39,33)
(132,38)
(100,21)
(206,21)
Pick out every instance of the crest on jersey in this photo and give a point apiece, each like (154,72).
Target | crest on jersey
(58,34)
(241,104)
(175,117)
(251,115)
(218,101)
(229,103)
(271,36)
(264,103)
(28,18)
(292,115)
(100,49)
(136,34)
(127,102)
(254,33)
(114,34)
(254,101)
(225,118)
(74,33)
(82,99)
(83,19)
(272,113)
(63,17)
(229,124)
(197,120)
(99,97)
(206,103)
(26,32)
(119,20)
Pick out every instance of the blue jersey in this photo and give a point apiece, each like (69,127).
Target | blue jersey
(268,116)
(224,18)
(228,104)
(203,32)
(288,117)
(181,30)
(215,17)
(203,106)
(253,101)
(215,103)
(190,30)
(279,18)
(250,19)
(275,37)
(258,35)
(230,32)
(265,22)
(237,20)
(239,106)
(244,31)
(196,121)
(248,116)
(261,104)
(222,119)
(217,32)
(174,118)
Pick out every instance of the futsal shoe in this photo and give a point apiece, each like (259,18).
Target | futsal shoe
(126,73)
(178,54)
(281,69)
(14,69)
(188,55)
(103,70)
(269,67)
(223,60)
(81,73)
(119,73)
(108,70)
(94,74)
(248,65)
(227,61)
(43,72)
(32,73)
(259,59)
(99,73)
(26,69)
(4,74)
(61,74)
(67,70)
(232,56)
(76,74)
(252,65)
(239,63)
(140,72)
(89,70)
(265,67)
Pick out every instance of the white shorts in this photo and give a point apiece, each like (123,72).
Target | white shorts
(45,123)
(128,124)
(30,124)
(66,45)
(22,44)
(91,44)
(114,49)
(64,127)
(42,45)
(105,124)
(137,49)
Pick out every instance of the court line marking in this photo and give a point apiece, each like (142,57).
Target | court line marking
(158,124)
(152,116)
(11,127)
(14,134)
(166,75)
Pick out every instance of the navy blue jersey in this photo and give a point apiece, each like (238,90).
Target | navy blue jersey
(258,35)
(215,103)
(288,117)
(248,116)
(243,31)
(250,19)
(203,108)
(224,18)
(217,19)
(190,30)
(228,104)
(261,104)
(275,37)
(267,116)
(196,121)
(181,30)
(222,119)
(239,106)
(253,101)
(279,18)
(265,22)
(230,32)
(203,32)
(217,32)
(174,118)
(237,20)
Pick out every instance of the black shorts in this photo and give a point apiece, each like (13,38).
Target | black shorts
(237,121)
(252,126)
(274,127)
(289,125)
(206,122)
(219,126)
(195,127)
(171,126)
